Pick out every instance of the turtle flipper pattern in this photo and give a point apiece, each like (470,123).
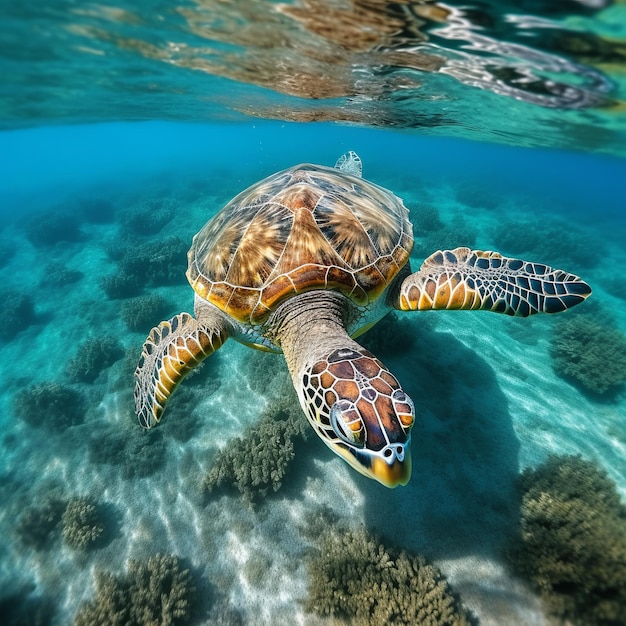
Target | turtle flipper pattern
(473,279)
(172,350)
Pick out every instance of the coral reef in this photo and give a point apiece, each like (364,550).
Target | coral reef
(572,541)
(17,311)
(161,592)
(116,249)
(56,274)
(555,243)
(110,606)
(148,218)
(590,352)
(82,523)
(46,229)
(94,355)
(37,526)
(355,578)
(156,263)
(257,463)
(49,404)
(425,217)
(155,592)
(78,520)
(140,314)
(118,286)
(151,264)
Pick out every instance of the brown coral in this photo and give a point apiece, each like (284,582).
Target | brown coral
(155,592)
(590,352)
(572,541)
(257,463)
(353,577)
(82,526)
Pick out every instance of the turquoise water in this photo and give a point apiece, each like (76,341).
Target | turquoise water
(126,127)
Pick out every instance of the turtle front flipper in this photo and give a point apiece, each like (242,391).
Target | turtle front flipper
(171,351)
(473,279)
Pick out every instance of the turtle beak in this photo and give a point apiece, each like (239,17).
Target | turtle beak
(392,473)
(390,470)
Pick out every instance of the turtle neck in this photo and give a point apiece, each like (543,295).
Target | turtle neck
(310,326)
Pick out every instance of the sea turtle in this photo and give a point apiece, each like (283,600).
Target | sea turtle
(303,262)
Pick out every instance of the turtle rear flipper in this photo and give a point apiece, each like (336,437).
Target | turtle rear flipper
(473,279)
(351,163)
(172,350)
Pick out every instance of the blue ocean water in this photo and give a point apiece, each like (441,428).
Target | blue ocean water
(126,126)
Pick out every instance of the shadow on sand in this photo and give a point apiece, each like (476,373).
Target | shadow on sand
(461,499)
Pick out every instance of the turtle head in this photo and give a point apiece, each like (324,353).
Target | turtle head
(358,408)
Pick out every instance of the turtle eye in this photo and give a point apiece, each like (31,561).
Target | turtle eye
(405,409)
(347,423)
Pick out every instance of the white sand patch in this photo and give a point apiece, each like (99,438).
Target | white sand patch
(488,591)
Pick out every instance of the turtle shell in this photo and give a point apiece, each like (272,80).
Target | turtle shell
(307,227)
